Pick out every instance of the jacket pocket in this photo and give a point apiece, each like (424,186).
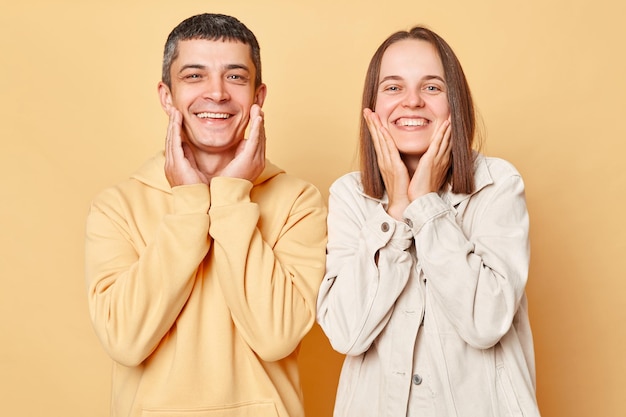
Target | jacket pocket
(509,406)
(248,409)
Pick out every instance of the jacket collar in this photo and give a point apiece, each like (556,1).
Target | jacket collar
(152,173)
(482,178)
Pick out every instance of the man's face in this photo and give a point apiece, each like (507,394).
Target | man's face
(213,88)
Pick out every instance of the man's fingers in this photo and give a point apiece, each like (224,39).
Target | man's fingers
(255,131)
(173,139)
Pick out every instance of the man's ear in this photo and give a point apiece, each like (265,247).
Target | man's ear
(259,96)
(165,96)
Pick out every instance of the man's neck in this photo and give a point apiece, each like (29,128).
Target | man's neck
(212,164)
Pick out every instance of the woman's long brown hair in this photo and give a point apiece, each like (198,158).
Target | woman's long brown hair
(462,115)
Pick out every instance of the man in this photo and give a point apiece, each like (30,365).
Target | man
(203,267)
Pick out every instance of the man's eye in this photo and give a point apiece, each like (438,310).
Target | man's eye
(237,78)
(192,76)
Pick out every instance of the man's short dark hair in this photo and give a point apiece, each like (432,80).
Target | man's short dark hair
(212,27)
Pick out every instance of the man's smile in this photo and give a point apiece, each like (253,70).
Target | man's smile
(207,115)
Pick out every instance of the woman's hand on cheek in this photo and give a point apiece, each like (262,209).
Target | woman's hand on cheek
(433,166)
(392,168)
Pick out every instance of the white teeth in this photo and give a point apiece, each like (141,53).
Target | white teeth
(207,115)
(412,122)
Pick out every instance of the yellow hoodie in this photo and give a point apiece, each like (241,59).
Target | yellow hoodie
(201,295)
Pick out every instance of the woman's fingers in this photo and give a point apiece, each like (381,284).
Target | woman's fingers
(381,138)
(445,144)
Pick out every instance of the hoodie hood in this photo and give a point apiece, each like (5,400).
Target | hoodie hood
(152,173)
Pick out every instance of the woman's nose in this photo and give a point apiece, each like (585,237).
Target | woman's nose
(413,99)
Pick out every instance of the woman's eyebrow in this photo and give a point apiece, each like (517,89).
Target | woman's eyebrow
(434,77)
(399,78)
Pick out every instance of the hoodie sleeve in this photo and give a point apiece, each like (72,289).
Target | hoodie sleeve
(137,286)
(269,266)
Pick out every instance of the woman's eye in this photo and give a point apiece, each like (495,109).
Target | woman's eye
(432,88)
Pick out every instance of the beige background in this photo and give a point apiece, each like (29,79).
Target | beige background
(79,112)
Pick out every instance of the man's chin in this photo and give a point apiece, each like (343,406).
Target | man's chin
(215,145)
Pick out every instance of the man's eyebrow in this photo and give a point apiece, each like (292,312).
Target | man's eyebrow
(204,67)
(237,66)
(191,66)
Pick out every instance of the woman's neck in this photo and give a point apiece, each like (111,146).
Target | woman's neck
(411,161)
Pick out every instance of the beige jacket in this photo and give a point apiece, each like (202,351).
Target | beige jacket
(436,301)
(201,296)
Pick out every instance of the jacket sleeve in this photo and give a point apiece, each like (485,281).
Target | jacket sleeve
(368,265)
(477,274)
(137,289)
(269,288)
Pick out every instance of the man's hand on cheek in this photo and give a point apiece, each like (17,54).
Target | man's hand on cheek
(249,160)
(180,164)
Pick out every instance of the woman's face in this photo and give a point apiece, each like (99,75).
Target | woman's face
(412,95)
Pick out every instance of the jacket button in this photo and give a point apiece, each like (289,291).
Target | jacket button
(417,379)
(409,223)
(384,227)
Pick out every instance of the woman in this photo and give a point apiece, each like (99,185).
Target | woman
(428,252)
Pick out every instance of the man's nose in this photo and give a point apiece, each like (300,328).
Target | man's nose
(216,90)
